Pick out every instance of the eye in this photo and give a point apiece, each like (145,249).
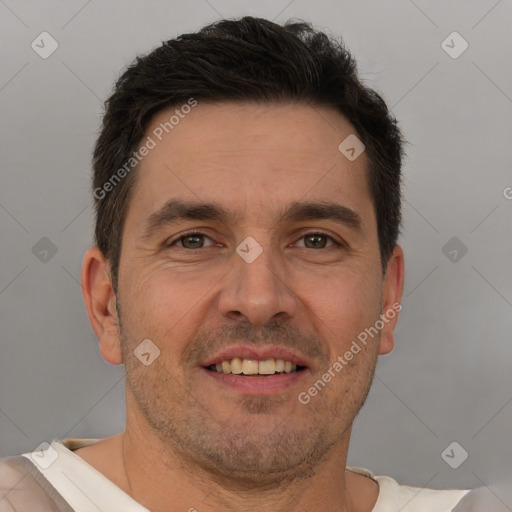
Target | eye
(315,240)
(196,240)
(193,240)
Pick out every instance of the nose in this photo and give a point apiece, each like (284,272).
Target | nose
(258,291)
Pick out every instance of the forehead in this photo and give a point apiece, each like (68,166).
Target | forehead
(253,156)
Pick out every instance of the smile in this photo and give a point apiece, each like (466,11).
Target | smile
(237,366)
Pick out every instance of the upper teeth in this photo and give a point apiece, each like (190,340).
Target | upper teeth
(255,367)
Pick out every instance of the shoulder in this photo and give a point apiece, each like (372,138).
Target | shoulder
(393,496)
(418,499)
(13,472)
(24,489)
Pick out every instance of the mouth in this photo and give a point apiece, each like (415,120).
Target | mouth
(257,370)
(253,377)
(254,367)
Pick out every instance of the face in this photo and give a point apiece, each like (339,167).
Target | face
(260,271)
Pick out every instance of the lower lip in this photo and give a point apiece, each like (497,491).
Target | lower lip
(258,385)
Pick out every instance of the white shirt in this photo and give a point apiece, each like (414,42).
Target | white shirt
(88,490)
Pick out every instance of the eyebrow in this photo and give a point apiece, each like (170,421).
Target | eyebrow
(177,210)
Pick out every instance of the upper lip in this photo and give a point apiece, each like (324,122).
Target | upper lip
(258,353)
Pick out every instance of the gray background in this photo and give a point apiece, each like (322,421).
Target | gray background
(448,378)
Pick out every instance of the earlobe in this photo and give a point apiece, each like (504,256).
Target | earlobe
(391,299)
(100,302)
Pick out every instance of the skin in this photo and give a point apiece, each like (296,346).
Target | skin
(192,442)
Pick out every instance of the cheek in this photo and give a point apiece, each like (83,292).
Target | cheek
(165,303)
(341,305)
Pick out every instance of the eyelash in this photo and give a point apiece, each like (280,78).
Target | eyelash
(191,233)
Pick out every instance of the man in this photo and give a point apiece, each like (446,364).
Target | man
(246,273)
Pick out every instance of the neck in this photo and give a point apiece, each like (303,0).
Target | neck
(157,476)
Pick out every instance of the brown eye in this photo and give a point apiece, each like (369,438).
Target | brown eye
(191,241)
(316,240)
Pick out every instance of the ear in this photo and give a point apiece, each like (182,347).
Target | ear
(100,302)
(391,299)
